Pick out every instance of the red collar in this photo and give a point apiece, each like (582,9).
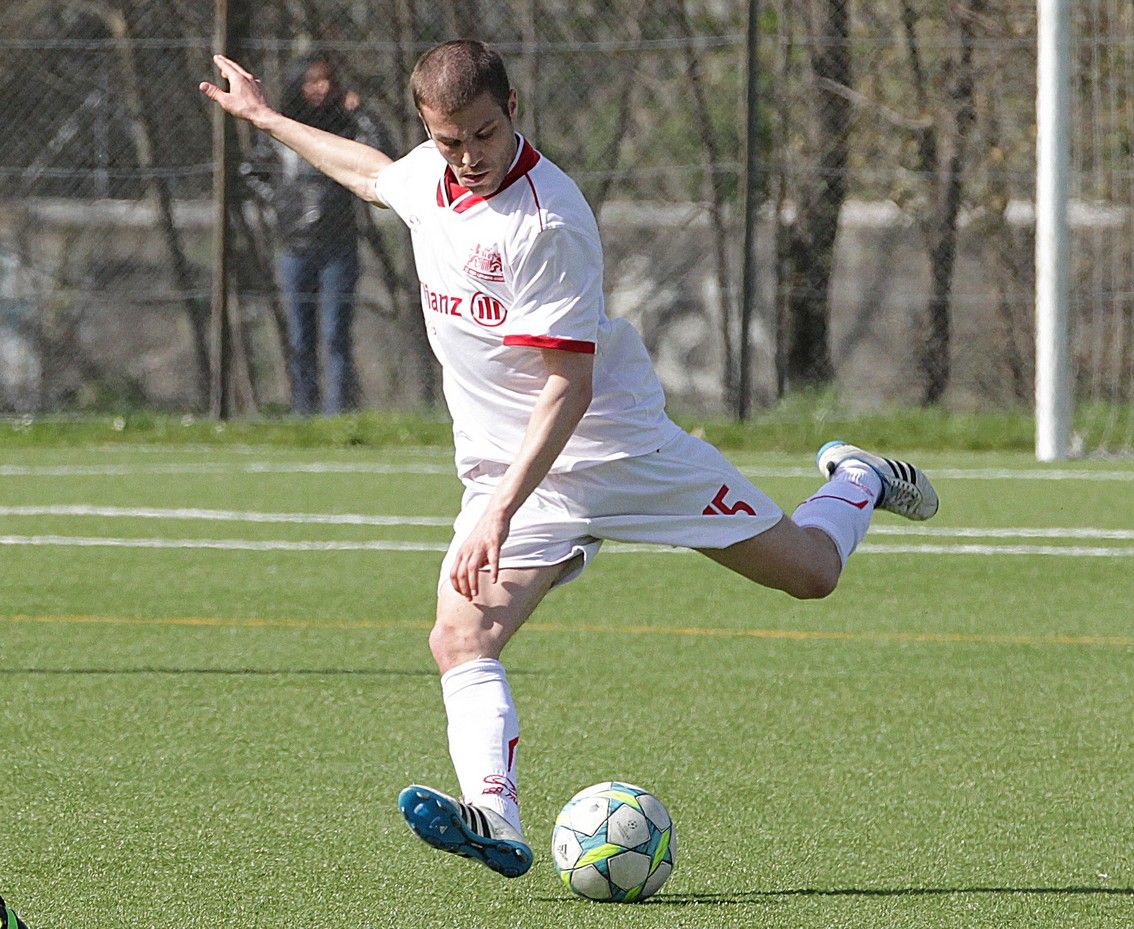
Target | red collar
(451,194)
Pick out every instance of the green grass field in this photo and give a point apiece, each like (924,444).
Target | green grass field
(214,680)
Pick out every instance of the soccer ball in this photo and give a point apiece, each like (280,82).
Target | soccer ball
(614,842)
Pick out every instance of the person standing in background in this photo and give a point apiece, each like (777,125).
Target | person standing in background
(317,233)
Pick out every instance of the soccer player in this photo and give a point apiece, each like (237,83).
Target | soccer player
(559,422)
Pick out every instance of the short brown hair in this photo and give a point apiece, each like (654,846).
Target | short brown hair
(450,76)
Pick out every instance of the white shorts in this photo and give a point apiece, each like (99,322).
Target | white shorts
(684,494)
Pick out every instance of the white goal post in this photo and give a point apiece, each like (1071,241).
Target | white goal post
(1053,256)
(1084,229)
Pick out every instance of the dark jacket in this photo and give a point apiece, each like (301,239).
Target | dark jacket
(310,210)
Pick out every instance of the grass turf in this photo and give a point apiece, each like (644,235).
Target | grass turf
(218,736)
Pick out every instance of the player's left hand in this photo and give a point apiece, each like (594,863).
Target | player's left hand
(244,98)
(478,557)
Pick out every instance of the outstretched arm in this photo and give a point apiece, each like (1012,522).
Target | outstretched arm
(351,163)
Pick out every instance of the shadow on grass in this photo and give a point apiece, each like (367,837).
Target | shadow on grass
(752,895)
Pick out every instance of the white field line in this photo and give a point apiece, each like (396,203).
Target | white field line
(243,545)
(1065,551)
(250,545)
(115,470)
(119,470)
(383,545)
(361,519)
(956,532)
(233,516)
(973,474)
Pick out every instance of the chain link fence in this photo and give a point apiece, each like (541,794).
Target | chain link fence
(882,168)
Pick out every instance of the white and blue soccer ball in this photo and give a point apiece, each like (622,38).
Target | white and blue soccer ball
(614,842)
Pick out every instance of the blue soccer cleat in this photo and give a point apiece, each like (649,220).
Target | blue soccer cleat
(466,830)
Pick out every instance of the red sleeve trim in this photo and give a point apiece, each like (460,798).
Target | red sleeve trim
(544,341)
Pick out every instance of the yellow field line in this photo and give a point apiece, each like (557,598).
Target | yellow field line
(802,634)
(1122,641)
(214,621)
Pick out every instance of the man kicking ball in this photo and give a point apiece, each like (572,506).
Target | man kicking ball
(559,424)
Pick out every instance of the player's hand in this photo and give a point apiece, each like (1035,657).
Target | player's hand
(478,558)
(244,98)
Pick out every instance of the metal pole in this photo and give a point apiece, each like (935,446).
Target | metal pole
(220,400)
(749,289)
(1053,157)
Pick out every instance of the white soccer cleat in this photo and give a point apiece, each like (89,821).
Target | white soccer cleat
(905,488)
(466,830)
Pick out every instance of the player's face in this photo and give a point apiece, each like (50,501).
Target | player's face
(478,142)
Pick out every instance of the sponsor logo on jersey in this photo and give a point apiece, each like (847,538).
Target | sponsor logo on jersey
(486,310)
(445,304)
(485,264)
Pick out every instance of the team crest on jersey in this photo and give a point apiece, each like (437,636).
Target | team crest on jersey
(485,264)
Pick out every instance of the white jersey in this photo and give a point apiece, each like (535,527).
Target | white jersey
(503,276)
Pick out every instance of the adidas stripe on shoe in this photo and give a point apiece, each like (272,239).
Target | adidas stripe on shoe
(463,829)
(905,488)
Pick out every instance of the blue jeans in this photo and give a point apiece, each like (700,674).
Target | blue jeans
(317,289)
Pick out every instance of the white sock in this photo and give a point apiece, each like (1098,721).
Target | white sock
(484,731)
(843,506)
